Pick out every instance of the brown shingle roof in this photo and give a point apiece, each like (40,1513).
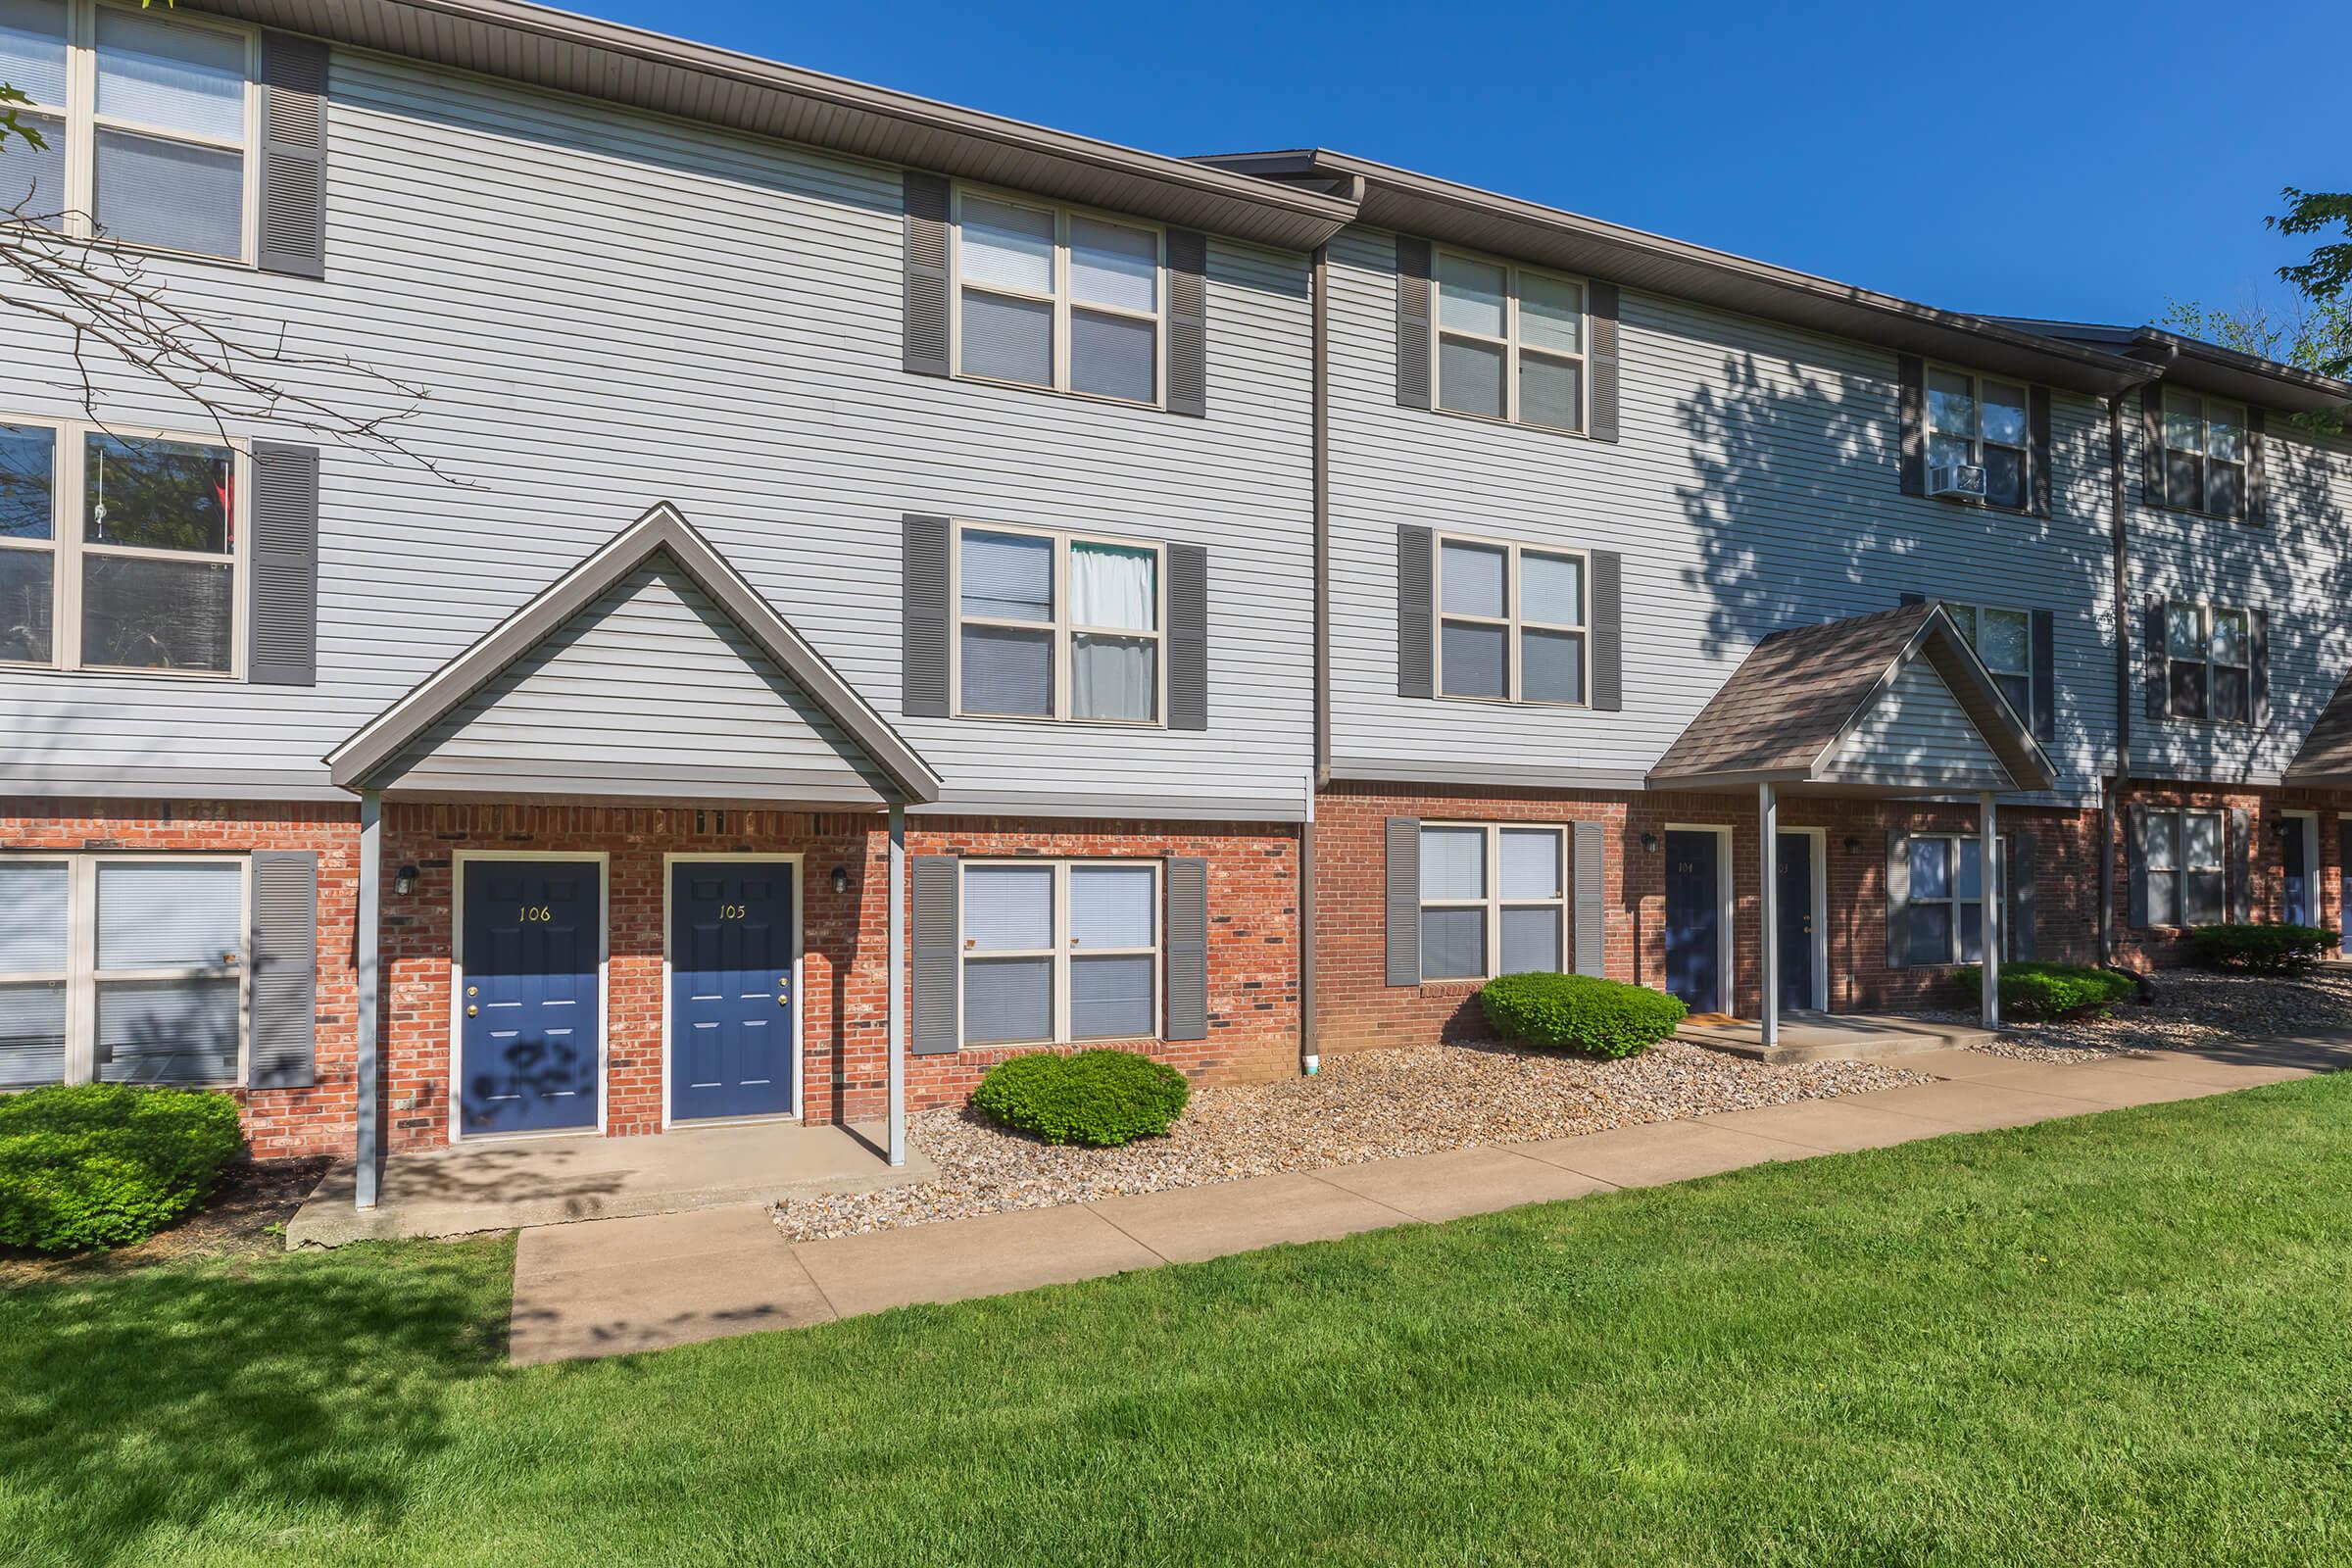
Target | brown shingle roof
(1799,690)
(2326,756)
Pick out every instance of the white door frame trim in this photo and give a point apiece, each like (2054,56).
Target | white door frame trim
(797,861)
(1727,880)
(457,992)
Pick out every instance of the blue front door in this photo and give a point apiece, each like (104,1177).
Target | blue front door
(731,1045)
(532,1029)
(2297,883)
(1795,893)
(1692,951)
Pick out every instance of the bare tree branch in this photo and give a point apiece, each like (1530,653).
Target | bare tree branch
(118,312)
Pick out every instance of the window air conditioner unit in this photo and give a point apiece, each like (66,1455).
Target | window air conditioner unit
(1956,479)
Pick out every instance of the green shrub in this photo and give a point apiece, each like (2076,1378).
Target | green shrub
(107,1164)
(2045,991)
(1601,1017)
(1099,1097)
(2268,949)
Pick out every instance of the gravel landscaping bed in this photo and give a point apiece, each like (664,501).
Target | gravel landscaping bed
(1367,1105)
(2191,1009)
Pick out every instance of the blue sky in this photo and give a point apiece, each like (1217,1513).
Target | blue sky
(2073,161)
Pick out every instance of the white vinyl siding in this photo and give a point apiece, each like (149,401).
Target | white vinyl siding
(1059,299)
(122,969)
(120,550)
(149,120)
(1056,951)
(1494,899)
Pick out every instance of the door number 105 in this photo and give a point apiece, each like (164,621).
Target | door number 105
(731,912)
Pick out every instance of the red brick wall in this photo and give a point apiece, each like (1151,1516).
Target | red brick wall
(1357,1010)
(1253,986)
(2265,865)
(278,1121)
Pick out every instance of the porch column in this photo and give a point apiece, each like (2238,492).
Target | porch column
(898,985)
(364,944)
(1768,812)
(1988,886)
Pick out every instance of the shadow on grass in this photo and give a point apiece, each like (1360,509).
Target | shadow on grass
(134,1404)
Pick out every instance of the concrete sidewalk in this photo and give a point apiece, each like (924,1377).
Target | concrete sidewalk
(606,1287)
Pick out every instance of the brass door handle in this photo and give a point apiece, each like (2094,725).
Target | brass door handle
(783,1000)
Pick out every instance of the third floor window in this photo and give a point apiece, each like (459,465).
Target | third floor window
(146,125)
(1510,343)
(1048,297)
(2205,452)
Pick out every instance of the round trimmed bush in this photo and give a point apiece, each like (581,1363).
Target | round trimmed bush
(107,1164)
(1097,1098)
(1582,1012)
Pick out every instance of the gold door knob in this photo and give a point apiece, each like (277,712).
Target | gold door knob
(783,1000)
(471,1010)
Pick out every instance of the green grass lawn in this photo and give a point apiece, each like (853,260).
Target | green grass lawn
(2120,1340)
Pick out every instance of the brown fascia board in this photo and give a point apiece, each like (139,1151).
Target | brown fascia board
(2207,366)
(1429,207)
(568,53)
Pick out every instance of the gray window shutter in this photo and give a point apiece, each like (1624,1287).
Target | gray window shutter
(2241,881)
(2045,675)
(1911,376)
(2022,895)
(2258,624)
(1591,915)
(1412,323)
(285,971)
(282,640)
(2135,843)
(1608,631)
(2038,451)
(1416,614)
(1602,306)
(924,616)
(293,161)
(1187,323)
(1188,637)
(1898,900)
(2155,658)
(938,954)
(1188,949)
(2258,485)
(926,288)
(2151,443)
(1404,901)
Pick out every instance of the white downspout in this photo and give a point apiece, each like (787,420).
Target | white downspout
(366,943)
(898,985)
(1988,890)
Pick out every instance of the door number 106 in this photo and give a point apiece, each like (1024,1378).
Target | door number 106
(535,914)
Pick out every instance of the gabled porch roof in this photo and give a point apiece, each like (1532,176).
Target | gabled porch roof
(2325,759)
(652,668)
(1890,704)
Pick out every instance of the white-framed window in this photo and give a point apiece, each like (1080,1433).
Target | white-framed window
(2208,662)
(122,969)
(1511,621)
(2204,453)
(1982,421)
(146,118)
(1060,625)
(2003,639)
(1946,910)
(2187,875)
(1061,951)
(1494,899)
(1511,342)
(120,550)
(1059,298)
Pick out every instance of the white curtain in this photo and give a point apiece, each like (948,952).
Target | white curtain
(1110,586)
(1114,677)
